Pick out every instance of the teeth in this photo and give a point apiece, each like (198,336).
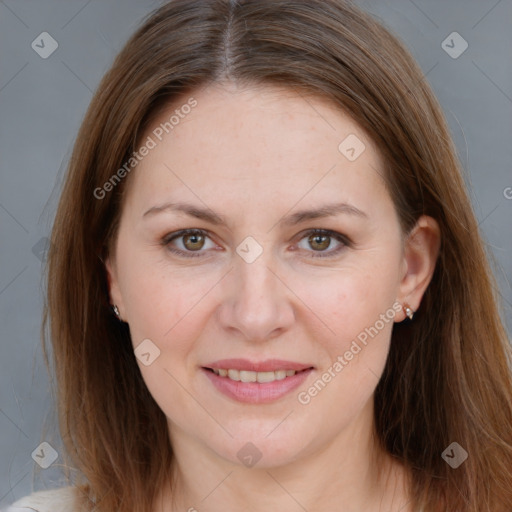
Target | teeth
(266,376)
(248,376)
(234,374)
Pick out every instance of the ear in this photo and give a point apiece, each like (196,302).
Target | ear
(113,285)
(421,249)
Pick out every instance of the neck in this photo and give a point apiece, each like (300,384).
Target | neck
(349,473)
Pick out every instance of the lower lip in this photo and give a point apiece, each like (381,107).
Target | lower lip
(256,392)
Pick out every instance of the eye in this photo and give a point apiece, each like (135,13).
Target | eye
(189,241)
(322,239)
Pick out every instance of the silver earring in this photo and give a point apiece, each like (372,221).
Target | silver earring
(408,311)
(116,311)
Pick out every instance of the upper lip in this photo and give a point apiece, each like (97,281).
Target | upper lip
(268,365)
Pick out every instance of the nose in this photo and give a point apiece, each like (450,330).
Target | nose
(256,305)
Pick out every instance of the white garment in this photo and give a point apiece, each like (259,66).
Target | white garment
(54,500)
(50,500)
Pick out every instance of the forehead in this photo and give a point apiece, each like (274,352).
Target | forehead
(258,144)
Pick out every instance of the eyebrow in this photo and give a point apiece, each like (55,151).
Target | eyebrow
(206,214)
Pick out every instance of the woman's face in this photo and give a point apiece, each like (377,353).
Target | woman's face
(253,289)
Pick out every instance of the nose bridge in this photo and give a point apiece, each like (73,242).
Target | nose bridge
(257,304)
(255,279)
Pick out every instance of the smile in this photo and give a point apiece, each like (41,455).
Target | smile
(250,384)
(248,376)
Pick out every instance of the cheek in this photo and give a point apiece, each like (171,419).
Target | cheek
(351,299)
(359,309)
(157,297)
(161,307)
(167,308)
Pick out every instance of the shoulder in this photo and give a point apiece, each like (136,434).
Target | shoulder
(50,500)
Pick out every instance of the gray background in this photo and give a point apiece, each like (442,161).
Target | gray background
(42,102)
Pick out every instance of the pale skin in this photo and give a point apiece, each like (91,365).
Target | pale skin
(255,156)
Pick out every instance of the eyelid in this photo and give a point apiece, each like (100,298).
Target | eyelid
(167,239)
(343,239)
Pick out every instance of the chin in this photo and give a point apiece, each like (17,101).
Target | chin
(267,445)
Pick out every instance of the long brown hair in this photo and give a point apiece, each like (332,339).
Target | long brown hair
(447,377)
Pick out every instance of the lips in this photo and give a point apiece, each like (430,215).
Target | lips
(256,381)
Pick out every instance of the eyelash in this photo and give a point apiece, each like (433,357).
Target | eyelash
(344,240)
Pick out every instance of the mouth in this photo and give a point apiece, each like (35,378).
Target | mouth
(256,382)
